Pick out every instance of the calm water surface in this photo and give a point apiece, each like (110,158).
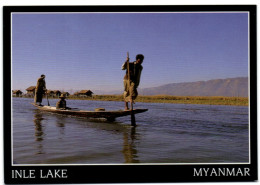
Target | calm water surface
(166,133)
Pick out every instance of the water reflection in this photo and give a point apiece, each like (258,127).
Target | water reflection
(39,133)
(129,134)
(129,147)
(87,141)
(60,124)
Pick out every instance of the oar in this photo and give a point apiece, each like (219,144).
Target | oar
(47,99)
(133,123)
(71,108)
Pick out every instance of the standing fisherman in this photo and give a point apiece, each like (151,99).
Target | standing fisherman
(40,90)
(130,86)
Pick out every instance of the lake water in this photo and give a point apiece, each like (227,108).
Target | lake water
(166,133)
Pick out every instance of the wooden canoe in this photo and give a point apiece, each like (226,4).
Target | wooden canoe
(109,115)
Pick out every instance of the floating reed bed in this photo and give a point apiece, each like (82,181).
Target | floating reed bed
(209,100)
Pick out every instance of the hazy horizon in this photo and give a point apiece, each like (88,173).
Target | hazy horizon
(116,91)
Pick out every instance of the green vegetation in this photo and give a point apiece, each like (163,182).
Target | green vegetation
(236,101)
(209,100)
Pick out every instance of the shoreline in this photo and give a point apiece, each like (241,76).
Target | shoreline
(203,100)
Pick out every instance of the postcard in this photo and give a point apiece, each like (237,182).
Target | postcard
(130,94)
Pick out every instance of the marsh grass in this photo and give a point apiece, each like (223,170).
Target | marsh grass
(209,100)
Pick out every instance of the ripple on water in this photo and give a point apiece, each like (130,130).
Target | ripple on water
(166,133)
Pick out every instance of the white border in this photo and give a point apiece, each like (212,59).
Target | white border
(168,12)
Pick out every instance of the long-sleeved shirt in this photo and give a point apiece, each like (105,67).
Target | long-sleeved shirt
(41,85)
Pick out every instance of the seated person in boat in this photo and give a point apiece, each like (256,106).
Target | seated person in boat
(61,104)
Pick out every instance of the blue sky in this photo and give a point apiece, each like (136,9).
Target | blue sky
(86,50)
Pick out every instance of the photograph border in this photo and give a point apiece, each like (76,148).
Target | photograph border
(130,173)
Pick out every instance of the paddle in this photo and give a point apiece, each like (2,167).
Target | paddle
(131,102)
(71,108)
(47,98)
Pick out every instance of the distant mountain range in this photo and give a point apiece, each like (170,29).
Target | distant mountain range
(220,87)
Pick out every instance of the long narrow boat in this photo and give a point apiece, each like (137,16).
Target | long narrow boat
(109,115)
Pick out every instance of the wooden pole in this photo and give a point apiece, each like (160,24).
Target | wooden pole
(47,98)
(133,123)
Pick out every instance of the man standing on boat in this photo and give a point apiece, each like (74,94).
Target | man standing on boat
(131,85)
(40,90)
